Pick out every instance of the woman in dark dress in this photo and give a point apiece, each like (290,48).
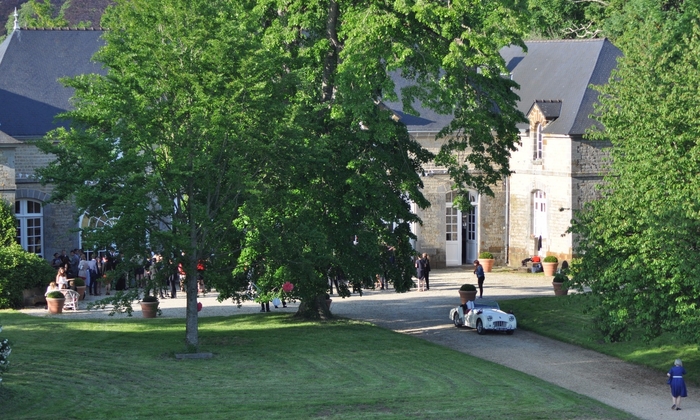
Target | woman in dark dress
(675,380)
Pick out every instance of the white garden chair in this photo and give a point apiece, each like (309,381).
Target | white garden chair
(72,298)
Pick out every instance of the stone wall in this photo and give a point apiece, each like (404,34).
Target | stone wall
(7,173)
(431,237)
(59,218)
(569,175)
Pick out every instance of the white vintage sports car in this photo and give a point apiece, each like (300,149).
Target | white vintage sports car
(486,315)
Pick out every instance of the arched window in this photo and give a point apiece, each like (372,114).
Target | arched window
(91,223)
(30,217)
(538,144)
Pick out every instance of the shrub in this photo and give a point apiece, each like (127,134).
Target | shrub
(550,259)
(467,288)
(78,282)
(21,270)
(486,255)
(560,278)
(55,295)
(149,298)
(5,351)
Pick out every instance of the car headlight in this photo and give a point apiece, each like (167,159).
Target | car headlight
(489,318)
(511,318)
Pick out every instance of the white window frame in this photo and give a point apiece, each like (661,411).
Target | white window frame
(30,225)
(539,214)
(538,143)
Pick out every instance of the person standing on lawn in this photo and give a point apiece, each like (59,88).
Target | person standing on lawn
(675,380)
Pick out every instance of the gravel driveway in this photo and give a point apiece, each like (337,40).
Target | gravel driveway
(634,389)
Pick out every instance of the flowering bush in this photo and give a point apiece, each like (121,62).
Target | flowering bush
(5,351)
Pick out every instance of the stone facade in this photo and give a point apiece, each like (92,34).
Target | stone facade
(568,174)
(59,224)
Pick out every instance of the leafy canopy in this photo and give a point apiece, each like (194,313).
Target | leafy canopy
(640,242)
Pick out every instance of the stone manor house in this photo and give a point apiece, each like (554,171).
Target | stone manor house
(555,168)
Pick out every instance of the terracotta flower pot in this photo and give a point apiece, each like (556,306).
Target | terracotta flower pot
(55,305)
(465,296)
(149,309)
(487,264)
(559,290)
(328,303)
(550,268)
(81,291)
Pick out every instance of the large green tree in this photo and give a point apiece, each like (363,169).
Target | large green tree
(169,140)
(640,243)
(343,58)
(255,136)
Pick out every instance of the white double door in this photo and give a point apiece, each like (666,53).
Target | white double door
(461,245)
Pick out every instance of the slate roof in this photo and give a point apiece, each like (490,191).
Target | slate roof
(557,73)
(550,109)
(31,62)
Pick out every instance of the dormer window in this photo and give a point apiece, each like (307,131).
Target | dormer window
(541,114)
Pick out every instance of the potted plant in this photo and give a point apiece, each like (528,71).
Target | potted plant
(467,292)
(486,260)
(79,287)
(558,284)
(55,301)
(149,306)
(328,301)
(549,265)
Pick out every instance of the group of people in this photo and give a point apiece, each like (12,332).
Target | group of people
(423,272)
(75,266)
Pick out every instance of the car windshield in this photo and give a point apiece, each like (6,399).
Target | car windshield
(486,304)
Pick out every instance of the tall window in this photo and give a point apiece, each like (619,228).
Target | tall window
(537,155)
(29,214)
(539,214)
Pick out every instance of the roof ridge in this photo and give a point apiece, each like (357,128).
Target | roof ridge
(566,40)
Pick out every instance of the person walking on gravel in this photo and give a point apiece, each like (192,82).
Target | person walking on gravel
(675,380)
(479,272)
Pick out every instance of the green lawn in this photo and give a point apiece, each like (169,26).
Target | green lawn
(564,318)
(264,366)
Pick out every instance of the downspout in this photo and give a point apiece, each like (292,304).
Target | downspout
(507,227)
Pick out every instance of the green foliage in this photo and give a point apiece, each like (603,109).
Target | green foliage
(55,295)
(8,226)
(486,255)
(5,350)
(560,278)
(639,243)
(550,259)
(149,298)
(119,302)
(254,136)
(78,282)
(21,270)
(467,288)
(572,319)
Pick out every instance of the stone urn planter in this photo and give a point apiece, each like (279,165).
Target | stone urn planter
(466,293)
(149,308)
(486,260)
(54,303)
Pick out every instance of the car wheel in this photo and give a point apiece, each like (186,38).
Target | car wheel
(480,327)
(510,332)
(455,318)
